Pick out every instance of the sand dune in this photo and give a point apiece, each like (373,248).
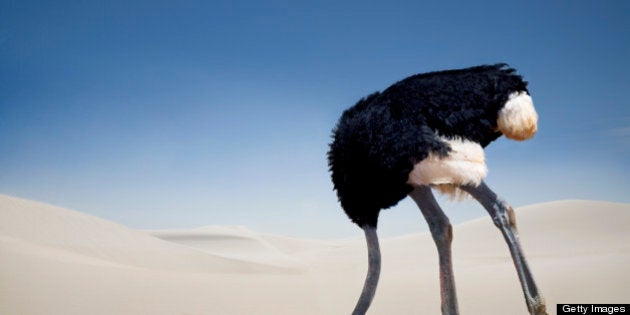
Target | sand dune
(58,261)
(78,234)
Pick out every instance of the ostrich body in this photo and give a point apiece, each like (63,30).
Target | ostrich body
(428,131)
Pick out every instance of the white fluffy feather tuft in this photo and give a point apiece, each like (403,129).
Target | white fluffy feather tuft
(464,165)
(518,119)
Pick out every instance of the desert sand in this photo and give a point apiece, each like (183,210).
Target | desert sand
(59,261)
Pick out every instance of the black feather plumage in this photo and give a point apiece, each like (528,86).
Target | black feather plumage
(378,140)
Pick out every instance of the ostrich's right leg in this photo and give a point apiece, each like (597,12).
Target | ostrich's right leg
(442,233)
(503,217)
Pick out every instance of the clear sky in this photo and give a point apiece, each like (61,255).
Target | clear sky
(178,114)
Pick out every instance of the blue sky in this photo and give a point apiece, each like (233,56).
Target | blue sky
(177,114)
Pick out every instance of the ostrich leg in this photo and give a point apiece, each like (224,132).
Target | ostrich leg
(374,270)
(503,217)
(442,233)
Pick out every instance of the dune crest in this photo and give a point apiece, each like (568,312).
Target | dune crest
(75,233)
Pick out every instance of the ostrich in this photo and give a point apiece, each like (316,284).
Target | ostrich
(428,131)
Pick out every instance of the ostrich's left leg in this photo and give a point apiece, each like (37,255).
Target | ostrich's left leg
(374,271)
(442,233)
(503,217)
